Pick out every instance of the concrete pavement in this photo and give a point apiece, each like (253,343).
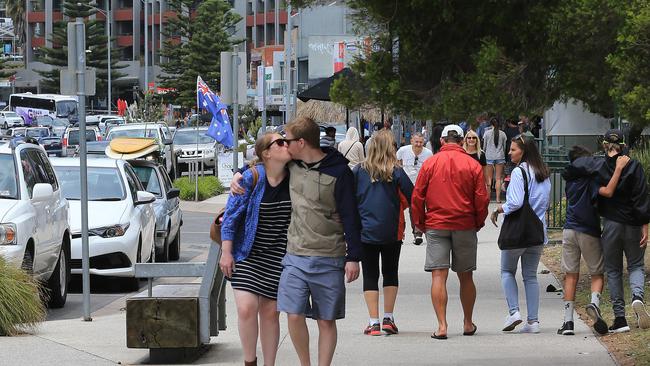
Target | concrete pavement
(103,341)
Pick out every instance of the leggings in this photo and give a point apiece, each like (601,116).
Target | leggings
(389,264)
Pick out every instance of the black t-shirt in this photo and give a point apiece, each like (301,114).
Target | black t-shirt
(278,193)
(480,159)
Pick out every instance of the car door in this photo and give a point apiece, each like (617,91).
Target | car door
(172,205)
(145,214)
(165,135)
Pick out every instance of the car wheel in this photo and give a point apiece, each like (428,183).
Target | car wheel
(163,255)
(175,247)
(28,262)
(58,282)
(133,283)
(5,126)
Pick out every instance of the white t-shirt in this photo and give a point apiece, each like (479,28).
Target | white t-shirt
(407,156)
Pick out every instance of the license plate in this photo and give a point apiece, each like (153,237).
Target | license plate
(51,154)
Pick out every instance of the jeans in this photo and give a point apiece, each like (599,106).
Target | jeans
(529,261)
(617,239)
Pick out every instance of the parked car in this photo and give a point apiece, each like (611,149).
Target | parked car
(94,149)
(121,219)
(70,139)
(34,230)
(158,131)
(194,145)
(16,131)
(56,125)
(52,145)
(10,119)
(169,217)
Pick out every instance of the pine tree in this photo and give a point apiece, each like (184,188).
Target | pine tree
(207,35)
(57,55)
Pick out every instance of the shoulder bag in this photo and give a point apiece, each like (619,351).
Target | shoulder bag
(215,226)
(522,228)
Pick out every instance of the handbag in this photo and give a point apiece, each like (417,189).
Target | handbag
(215,226)
(521,228)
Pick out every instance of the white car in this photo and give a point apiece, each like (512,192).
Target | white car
(10,119)
(158,131)
(34,231)
(121,221)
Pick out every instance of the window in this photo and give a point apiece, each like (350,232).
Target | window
(149,179)
(44,162)
(132,180)
(104,184)
(8,178)
(31,171)
(73,136)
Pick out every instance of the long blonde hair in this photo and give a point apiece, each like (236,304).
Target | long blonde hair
(478,142)
(382,158)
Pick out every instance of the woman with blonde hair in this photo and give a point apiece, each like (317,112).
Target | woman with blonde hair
(379,182)
(254,241)
(472,146)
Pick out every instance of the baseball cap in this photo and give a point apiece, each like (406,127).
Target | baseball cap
(614,136)
(452,131)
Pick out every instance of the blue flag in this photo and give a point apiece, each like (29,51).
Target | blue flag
(220,128)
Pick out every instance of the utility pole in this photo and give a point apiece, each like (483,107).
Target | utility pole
(287,68)
(108,46)
(263,98)
(235,105)
(146,46)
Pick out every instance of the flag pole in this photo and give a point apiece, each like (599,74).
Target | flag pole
(198,114)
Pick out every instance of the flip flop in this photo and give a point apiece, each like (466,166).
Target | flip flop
(435,336)
(471,332)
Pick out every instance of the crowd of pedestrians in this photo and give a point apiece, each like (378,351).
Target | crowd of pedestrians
(306,218)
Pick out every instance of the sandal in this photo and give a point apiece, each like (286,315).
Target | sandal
(471,332)
(435,336)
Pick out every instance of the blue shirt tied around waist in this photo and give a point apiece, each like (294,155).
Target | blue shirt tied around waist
(242,213)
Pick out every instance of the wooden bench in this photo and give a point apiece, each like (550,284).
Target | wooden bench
(176,320)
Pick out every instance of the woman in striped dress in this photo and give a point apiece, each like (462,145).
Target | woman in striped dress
(254,234)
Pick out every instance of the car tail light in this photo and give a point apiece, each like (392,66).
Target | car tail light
(64,142)
(99,137)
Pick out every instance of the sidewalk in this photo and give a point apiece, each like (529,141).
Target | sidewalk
(103,341)
(211,205)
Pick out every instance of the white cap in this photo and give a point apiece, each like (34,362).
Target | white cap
(455,128)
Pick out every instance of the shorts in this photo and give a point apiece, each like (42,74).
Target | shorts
(313,287)
(575,244)
(461,244)
(494,162)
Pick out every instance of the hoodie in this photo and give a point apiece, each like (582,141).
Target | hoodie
(324,218)
(582,195)
(351,148)
(630,204)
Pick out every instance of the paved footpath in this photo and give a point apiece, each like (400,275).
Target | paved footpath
(102,342)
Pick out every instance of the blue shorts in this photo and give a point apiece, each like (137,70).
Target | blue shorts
(497,161)
(313,287)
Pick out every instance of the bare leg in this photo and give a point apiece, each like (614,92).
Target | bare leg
(499,177)
(489,173)
(326,341)
(247,308)
(439,298)
(269,330)
(597,283)
(390,295)
(570,281)
(299,337)
(372,302)
(467,298)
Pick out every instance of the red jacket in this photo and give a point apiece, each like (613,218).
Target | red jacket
(452,188)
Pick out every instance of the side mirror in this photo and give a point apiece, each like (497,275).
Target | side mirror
(42,192)
(144,198)
(168,141)
(173,193)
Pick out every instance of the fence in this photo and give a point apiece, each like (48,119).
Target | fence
(556,158)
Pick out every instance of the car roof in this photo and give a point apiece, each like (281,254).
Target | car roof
(92,163)
(5,147)
(134,126)
(143,162)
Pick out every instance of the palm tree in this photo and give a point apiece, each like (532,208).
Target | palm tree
(16,11)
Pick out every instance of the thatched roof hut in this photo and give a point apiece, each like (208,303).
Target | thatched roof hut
(329,112)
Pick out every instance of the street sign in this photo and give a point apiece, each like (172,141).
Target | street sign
(227,77)
(68,82)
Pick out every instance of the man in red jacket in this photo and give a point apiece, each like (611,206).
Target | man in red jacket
(450,204)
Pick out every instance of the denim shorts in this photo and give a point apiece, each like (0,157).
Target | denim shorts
(313,287)
(494,162)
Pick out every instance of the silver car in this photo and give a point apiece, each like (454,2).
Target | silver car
(194,145)
(169,217)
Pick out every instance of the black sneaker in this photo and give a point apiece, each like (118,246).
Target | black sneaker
(642,316)
(418,240)
(567,329)
(620,325)
(599,323)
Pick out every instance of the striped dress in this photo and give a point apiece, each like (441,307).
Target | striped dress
(260,272)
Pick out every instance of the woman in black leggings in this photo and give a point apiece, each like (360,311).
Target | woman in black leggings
(379,183)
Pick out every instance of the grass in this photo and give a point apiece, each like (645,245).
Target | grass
(209,186)
(21,305)
(628,348)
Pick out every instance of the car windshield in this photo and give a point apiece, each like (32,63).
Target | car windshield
(190,137)
(44,120)
(8,181)
(104,184)
(11,114)
(147,175)
(73,136)
(60,122)
(148,133)
(19,131)
(38,132)
(66,108)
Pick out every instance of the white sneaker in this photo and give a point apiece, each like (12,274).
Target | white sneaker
(642,316)
(511,322)
(530,328)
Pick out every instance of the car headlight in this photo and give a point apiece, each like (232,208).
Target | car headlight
(110,231)
(7,234)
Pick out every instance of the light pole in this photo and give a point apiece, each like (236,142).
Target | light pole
(107,15)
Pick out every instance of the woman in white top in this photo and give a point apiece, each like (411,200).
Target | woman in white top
(494,145)
(351,148)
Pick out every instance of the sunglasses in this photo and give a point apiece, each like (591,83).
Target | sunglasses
(415,162)
(280,143)
(290,140)
(471,138)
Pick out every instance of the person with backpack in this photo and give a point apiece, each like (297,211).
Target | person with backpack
(379,181)
(352,148)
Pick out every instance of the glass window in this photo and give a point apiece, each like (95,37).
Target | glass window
(8,177)
(31,170)
(190,137)
(149,179)
(133,182)
(148,133)
(104,184)
(11,114)
(38,132)
(49,171)
(66,109)
(73,136)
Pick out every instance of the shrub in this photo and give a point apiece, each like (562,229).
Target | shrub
(209,186)
(556,214)
(642,154)
(21,305)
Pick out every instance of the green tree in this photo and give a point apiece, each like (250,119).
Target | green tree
(96,38)
(16,11)
(207,34)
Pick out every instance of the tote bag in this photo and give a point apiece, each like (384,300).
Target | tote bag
(522,228)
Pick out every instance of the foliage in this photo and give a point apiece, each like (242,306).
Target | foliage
(209,186)
(207,34)
(16,11)
(642,154)
(21,306)
(148,108)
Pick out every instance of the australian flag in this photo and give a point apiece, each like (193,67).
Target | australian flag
(220,128)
